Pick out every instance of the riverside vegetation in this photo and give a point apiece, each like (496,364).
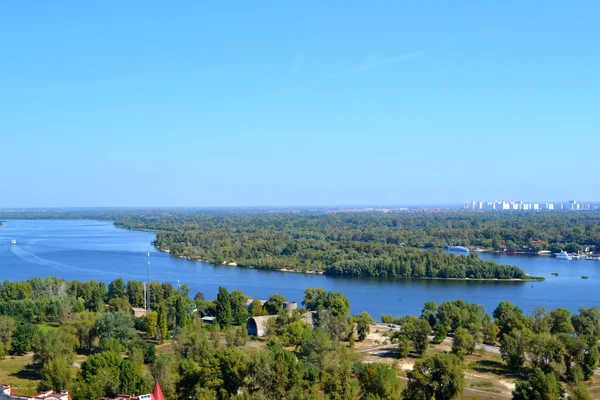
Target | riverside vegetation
(553,352)
(358,244)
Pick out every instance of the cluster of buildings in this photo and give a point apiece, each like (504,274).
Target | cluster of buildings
(520,205)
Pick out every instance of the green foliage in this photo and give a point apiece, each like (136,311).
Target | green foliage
(162,324)
(364,243)
(274,304)
(378,380)
(363,325)
(386,318)
(23,337)
(539,386)
(7,328)
(56,373)
(509,317)
(439,334)
(463,343)
(513,346)
(55,344)
(116,289)
(440,376)
(428,313)
(587,322)
(319,299)
(115,325)
(223,307)
(559,321)
(414,331)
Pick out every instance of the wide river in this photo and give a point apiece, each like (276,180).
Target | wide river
(86,250)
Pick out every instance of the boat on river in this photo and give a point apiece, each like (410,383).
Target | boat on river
(457,248)
(14,241)
(563,255)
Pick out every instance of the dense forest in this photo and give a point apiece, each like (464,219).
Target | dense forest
(369,243)
(550,352)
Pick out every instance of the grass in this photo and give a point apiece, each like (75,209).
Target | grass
(20,373)
(48,326)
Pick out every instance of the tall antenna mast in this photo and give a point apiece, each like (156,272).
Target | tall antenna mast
(147,300)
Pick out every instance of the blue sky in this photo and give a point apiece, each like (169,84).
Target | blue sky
(144,103)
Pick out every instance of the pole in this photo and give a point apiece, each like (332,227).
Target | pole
(148,281)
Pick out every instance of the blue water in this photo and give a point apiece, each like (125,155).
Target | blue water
(86,250)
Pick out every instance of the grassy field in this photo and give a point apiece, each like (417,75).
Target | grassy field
(48,326)
(20,373)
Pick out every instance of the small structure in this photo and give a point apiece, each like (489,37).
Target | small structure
(290,306)
(7,391)
(257,326)
(250,300)
(138,312)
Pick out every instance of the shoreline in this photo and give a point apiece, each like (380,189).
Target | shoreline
(313,272)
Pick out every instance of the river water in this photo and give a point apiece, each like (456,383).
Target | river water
(86,250)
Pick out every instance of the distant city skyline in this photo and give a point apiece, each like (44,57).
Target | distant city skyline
(512,205)
(296,104)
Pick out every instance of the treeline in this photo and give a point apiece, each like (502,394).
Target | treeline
(360,244)
(511,230)
(301,360)
(548,348)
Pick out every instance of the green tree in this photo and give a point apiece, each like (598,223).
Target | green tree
(23,337)
(223,307)
(559,321)
(377,379)
(256,308)
(238,307)
(439,333)
(274,304)
(115,325)
(416,331)
(151,323)
(101,375)
(116,289)
(56,374)
(130,376)
(428,313)
(539,386)
(509,317)
(587,322)
(546,352)
(337,376)
(163,372)
(513,347)
(579,392)
(84,323)
(7,328)
(162,324)
(135,293)
(463,343)
(440,376)
(55,344)
(590,361)
(363,325)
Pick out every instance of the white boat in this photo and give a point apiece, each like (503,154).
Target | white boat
(563,255)
(13,242)
(457,248)
(577,256)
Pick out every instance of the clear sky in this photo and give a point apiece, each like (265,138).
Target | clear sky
(258,103)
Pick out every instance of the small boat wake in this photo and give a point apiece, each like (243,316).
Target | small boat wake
(34,259)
